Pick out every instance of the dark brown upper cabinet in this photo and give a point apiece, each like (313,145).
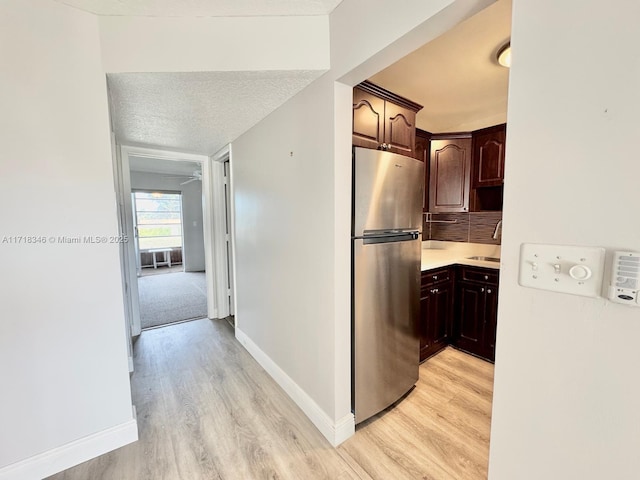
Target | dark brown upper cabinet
(422,145)
(488,156)
(423,139)
(383,120)
(449,173)
(368,119)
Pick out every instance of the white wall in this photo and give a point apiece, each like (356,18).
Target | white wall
(567,388)
(193,234)
(169,44)
(284,238)
(63,356)
(293,211)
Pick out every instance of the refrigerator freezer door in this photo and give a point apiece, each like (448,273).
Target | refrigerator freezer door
(388,190)
(386,310)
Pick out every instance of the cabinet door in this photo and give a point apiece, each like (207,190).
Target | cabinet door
(422,154)
(442,304)
(449,175)
(368,119)
(426,300)
(399,129)
(488,157)
(469,322)
(490,323)
(436,303)
(422,145)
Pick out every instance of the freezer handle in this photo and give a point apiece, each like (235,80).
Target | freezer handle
(388,237)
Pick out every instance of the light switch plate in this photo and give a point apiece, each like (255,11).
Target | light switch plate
(562,268)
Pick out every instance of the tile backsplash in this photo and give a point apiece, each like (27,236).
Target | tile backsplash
(474,227)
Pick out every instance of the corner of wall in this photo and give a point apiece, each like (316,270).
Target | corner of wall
(335,432)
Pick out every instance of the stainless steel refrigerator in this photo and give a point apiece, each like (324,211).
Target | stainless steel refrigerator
(386,247)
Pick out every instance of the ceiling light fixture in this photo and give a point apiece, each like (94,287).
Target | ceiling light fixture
(504,55)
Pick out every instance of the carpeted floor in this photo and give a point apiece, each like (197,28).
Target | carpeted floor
(172,298)
(145,272)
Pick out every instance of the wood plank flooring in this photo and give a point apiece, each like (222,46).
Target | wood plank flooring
(207,410)
(439,431)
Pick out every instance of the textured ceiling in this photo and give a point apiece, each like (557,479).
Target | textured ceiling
(456,77)
(204,8)
(196,112)
(164,167)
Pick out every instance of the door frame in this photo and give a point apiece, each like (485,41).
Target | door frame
(225,259)
(125,214)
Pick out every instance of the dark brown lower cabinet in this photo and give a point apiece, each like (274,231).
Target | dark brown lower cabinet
(474,326)
(491,323)
(436,308)
(459,306)
(469,316)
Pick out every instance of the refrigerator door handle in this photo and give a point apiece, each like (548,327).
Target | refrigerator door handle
(388,237)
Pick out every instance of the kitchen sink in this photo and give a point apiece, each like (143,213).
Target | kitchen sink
(485,259)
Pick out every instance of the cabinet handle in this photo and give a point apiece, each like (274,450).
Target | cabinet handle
(482,289)
(488,290)
(435,277)
(486,277)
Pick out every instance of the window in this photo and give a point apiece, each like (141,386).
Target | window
(159,219)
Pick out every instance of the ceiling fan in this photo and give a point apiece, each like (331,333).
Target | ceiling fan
(196,176)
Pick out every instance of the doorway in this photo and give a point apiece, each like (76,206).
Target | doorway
(170,290)
(147,170)
(458,79)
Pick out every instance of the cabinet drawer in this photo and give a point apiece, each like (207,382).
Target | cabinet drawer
(483,275)
(436,275)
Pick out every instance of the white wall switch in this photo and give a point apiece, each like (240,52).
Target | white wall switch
(562,268)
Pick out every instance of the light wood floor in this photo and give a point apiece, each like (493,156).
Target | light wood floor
(207,410)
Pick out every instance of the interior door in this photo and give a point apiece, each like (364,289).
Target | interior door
(130,262)
(229,246)
(136,241)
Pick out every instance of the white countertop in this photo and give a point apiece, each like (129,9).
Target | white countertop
(437,254)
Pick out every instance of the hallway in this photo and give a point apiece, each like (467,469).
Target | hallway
(207,410)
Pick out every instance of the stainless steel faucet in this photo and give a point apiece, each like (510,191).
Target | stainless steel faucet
(498,229)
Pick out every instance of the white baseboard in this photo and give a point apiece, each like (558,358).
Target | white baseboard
(335,432)
(344,428)
(71,454)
